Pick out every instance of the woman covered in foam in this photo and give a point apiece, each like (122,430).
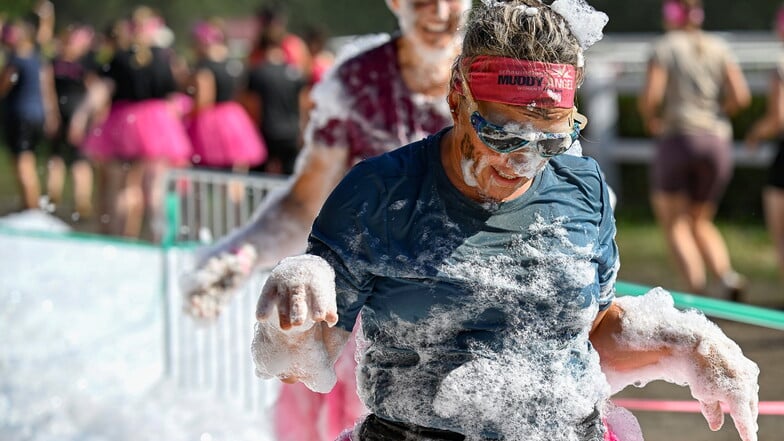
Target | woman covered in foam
(483,263)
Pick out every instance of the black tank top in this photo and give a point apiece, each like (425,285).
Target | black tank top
(225,82)
(134,82)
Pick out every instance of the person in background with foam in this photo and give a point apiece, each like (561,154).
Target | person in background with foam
(384,92)
(693,83)
(482,261)
(771,125)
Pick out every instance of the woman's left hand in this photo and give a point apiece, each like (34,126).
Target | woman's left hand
(723,375)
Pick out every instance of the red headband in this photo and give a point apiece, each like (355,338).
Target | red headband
(522,82)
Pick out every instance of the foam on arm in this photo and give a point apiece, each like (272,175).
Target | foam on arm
(652,340)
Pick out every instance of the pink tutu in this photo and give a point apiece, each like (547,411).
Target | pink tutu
(301,414)
(148,129)
(224,135)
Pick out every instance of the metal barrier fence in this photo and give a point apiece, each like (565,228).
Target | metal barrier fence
(215,356)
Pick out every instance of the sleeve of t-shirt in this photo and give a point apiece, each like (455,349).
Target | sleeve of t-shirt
(661,53)
(607,252)
(349,233)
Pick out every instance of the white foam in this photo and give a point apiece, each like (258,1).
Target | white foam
(82,351)
(585,22)
(651,322)
(304,287)
(34,220)
(531,366)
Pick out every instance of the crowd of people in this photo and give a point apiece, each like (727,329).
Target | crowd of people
(120,107)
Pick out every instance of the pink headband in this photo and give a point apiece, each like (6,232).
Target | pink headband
(205,33)
(11,34)
(679,15)
(521,82)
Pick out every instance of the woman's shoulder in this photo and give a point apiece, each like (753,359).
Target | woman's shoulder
(365,56)
(582,170)
(407,161)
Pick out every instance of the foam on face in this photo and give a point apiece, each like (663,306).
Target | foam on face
(467,167)
(335,101)
(535,362)
(526,163)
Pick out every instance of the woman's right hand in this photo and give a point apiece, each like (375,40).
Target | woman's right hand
(299,293)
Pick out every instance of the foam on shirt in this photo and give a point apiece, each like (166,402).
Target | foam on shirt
(534,364)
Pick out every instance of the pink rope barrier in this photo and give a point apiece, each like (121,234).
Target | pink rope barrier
(765,407)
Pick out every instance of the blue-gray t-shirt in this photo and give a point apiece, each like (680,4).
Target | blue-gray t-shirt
(475,317)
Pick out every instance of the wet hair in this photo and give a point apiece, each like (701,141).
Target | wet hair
(522,29)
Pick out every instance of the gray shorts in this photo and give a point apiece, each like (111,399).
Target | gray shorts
(698,165)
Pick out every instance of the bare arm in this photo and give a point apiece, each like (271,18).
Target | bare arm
(99,95)
(49,95)
(651,97)
(204,86)
(771,123)
(736,94)
(279,228)
(642,339)
(8,78)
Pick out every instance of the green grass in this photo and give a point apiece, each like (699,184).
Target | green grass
(645,258)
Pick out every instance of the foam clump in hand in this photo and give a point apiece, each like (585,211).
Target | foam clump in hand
(300,291)
(210,288)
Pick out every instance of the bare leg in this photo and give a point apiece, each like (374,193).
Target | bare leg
(83,187)
(773,200)
(672,213)
(153,192)
(55,179)
(236,189)
(27,177)
(110,177)
(130,202)
(709,240)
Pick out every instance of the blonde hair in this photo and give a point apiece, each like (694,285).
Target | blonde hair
(522,29)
